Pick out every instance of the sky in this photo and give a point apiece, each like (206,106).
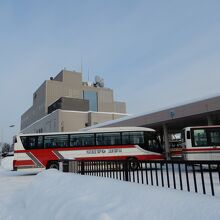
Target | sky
(152,53)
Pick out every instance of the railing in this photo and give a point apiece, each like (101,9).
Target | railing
(192,176)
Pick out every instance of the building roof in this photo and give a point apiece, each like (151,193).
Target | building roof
(178,116)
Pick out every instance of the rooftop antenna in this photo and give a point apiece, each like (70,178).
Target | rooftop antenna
(81,65)
(88,74)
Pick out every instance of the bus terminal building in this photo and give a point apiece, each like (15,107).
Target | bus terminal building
(172,120)
(66,103)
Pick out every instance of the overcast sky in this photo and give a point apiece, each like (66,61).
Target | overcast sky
(153,54)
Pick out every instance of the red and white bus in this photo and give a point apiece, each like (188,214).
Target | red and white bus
(201,143)
(35,152)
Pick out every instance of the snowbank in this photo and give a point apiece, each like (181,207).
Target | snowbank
(55,196)
(7,163)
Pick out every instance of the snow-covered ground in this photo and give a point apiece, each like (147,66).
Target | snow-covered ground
(52,195)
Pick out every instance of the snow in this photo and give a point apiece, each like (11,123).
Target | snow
(52,195)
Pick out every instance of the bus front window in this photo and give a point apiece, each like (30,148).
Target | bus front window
(200,137)
(152,143)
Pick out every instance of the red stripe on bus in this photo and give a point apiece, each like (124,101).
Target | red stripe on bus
(44,156)
(202,149)
(139,157)
(96,147)
(24,163)
(150,157)
(76,148)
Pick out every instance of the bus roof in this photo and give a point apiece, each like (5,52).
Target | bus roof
(203,126)
(95,130)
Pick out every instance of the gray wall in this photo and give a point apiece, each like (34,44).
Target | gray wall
(62,120)
(49,123)
(38,109)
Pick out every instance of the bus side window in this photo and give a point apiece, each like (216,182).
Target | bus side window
(125,138)
(74,142)
(81,140)
(188,135)
(61,141)
(111,138)
(40,142)
(49,141)
(214,137)
(99,139)
(32,142)
(24,141)
(136,137)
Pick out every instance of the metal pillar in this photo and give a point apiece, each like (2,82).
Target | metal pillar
(166,142)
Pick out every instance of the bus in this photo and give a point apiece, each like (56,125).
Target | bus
(201,143)
(35,152)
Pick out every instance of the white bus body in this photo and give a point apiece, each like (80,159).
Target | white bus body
(201,143)
(35,152)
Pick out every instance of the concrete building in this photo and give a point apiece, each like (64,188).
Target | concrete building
(66,103)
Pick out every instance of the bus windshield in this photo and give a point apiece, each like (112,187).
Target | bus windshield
(151,142)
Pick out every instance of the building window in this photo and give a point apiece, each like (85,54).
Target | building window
(93,100)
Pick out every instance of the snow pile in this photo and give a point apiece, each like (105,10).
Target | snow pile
(7,163)
(11,182)
(55,196)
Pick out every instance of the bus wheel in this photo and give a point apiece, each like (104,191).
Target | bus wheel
(53,165)
(133,163)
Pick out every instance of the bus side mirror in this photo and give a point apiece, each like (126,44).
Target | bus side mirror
(188,134)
